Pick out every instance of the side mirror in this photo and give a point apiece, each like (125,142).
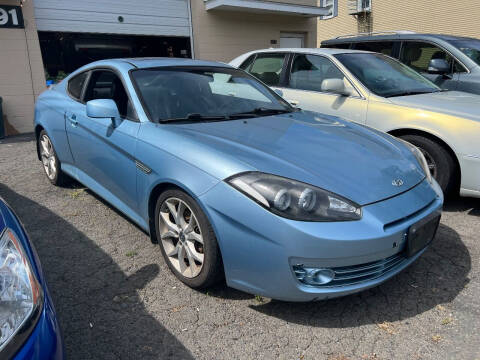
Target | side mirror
(438,66)
(336,86)
(103,108)
(279,92)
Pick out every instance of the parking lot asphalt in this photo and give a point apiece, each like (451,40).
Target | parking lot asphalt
(116,298)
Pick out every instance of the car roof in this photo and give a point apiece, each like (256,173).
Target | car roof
(320,51)
(153,62)
(395,36)
(143,63)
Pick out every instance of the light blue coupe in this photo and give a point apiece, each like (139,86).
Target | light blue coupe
(233,182)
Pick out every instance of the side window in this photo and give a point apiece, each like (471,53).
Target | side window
(105,84)
(337,46)
(268,68)
(75,85)
(417,55)
(247,64)
(309,71)
(384,47)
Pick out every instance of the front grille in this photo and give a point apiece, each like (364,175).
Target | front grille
(354,274)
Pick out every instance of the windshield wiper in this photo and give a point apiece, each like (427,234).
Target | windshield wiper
(407,93)
(260,111)
(195,116)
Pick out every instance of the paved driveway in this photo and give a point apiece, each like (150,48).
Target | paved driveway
(116,298)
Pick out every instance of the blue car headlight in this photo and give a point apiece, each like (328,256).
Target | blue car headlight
(293,199)
(20,292)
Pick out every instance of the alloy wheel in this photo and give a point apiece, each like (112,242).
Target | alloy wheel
(432,166)
(47,154)
(181,237)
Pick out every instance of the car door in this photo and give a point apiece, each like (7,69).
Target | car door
(417,55)
(304,89)
(104,153)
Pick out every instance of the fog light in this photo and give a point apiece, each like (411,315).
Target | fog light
(313,276)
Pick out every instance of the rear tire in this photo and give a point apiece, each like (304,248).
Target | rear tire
(187,240)
(50,162)
(441,163)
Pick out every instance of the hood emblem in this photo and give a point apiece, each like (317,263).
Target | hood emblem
(397,182)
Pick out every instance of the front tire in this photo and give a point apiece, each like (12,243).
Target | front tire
(50,162)
(442,165)
(187,240)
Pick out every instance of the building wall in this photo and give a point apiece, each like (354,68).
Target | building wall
(224,35)
(432,16)
(21,71)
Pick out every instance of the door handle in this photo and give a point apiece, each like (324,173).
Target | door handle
(73,120)
(294,102)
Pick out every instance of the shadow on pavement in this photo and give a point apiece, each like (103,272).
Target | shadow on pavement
(437,277)
(470,205)
(100,312)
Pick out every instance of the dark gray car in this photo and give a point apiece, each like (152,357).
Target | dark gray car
(451,62)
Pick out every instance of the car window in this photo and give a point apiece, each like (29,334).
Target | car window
(384,47)
(105,84)
(386,76)
(337,46)
(172,93)
(247,64)
(75,85)
(417,55)
(470,47)
(268,68)
(309,71)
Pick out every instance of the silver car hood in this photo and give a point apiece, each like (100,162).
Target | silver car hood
(455,103)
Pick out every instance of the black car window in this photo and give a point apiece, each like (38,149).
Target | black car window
(75,85)
(247,64)
(309,71)
(417,55)
(337,46)
(105,84)
(268,68)
(383,47)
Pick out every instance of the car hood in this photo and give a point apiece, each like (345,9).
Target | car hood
(324,151)
(455,103)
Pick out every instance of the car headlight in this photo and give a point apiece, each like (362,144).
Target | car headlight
(293,199)
(20,292)
(420,158)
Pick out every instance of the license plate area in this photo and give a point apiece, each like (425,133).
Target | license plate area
(422,233)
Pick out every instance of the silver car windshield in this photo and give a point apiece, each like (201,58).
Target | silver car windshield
(204,94)
(385,76)
(471,48)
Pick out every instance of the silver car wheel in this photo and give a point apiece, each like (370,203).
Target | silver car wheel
(181,237)
(432,166)
(48,157)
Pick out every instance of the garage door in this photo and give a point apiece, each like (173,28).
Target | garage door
(152,17)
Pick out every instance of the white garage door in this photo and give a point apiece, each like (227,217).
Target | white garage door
(146,17)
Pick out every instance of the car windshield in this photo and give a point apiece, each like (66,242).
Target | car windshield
(471,48)
(385,76)
(204,93)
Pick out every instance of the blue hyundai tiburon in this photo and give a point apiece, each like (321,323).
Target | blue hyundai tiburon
(234,182)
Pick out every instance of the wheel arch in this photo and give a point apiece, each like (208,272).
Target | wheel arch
(441,142)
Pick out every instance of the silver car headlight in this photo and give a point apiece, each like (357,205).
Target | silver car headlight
(293,199)
(420,158)
(20,292)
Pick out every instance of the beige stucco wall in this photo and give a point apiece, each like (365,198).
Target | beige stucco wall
(223,35)
(21,71)
(433,16)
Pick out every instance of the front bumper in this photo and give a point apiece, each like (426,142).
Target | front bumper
(259,249)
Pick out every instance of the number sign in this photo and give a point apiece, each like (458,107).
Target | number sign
(11,17)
